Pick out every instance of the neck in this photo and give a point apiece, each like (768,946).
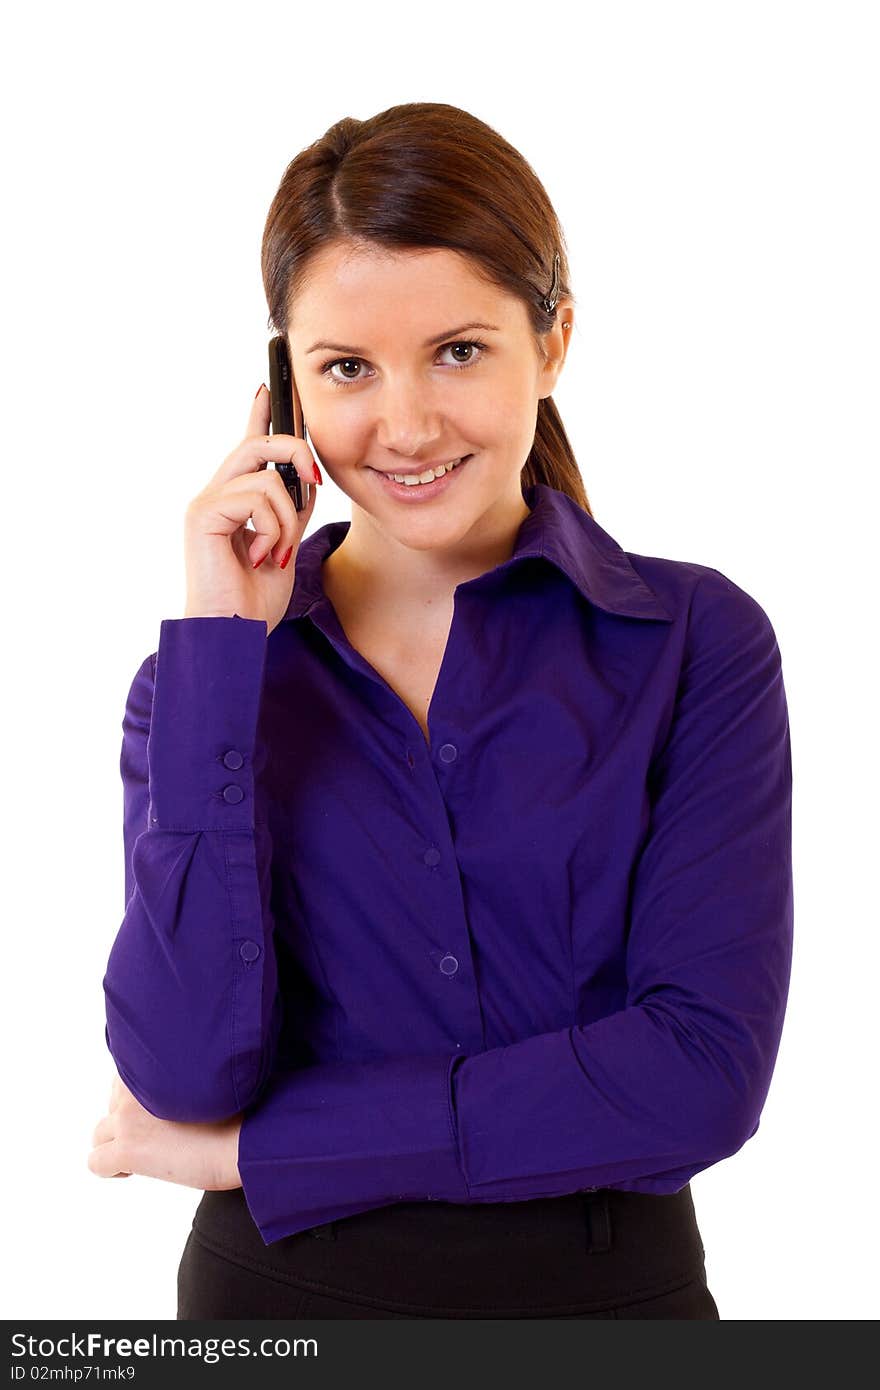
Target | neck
(386,574)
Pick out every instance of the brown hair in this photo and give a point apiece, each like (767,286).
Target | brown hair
(428,174)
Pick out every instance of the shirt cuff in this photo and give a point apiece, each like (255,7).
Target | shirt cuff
(208,685)
(349,1136)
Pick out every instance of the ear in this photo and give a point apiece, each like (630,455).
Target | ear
(556,347)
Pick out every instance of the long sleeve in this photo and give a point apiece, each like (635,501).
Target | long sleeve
(645,1097)
(192,1007)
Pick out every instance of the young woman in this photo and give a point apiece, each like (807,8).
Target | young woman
(458,866)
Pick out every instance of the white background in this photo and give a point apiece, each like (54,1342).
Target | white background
(714,166)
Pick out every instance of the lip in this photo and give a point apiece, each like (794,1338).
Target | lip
(421,492)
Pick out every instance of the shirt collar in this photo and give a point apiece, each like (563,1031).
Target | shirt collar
(557,529)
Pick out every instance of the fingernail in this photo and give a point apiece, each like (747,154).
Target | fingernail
(259,562)
(287,555)
(259,389)
(318,478)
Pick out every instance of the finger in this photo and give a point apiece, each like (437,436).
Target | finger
(289,535)
(261,508)
(256,450)
(104,1162)
(104,1130)
(260,416)
(300,522)
(290,522)
(225,509)
(293,522)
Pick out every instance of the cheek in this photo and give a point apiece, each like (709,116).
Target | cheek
(339,433)
(504,409)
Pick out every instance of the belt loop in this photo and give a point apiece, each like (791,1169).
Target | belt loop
(597,1218)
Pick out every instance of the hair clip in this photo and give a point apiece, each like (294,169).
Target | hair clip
(551,300)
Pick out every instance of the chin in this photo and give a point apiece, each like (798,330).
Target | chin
(419,531)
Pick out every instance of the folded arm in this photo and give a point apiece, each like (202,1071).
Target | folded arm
(192,1007)
(644,1098)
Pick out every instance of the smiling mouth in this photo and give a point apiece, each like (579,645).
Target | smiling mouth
(425,479)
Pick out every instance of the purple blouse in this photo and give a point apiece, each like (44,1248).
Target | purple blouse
(548,952)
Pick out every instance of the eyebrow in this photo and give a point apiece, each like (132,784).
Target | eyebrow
(439,338)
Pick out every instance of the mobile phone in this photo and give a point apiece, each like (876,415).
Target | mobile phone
(287,415)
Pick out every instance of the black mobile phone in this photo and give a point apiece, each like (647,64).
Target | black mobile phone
(287,416)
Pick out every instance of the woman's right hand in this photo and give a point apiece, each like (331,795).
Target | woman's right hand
(221,553)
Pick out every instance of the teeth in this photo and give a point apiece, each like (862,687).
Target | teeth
(415,479)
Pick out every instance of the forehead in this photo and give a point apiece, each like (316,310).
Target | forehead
(355,290)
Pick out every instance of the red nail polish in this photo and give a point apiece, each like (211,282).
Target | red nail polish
(318,478)
(287,555)
(258,563)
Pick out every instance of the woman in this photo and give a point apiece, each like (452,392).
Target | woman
(458,876)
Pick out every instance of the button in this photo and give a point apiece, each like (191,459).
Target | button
(249,950)
(232,793)
(233,759)
(448,752)
(449,965)
(432,856)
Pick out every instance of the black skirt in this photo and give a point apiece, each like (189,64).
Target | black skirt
(602,1254)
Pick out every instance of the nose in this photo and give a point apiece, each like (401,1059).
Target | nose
(407,421)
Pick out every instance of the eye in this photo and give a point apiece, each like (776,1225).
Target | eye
(472,361)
